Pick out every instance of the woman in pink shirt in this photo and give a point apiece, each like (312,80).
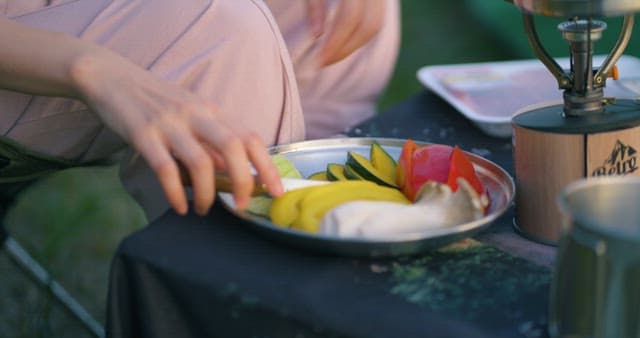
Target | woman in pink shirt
(202,84)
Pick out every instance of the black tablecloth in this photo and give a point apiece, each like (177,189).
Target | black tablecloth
(213,277)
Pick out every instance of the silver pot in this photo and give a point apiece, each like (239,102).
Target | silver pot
(595,287)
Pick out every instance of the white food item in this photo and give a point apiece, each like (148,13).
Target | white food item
(436,207)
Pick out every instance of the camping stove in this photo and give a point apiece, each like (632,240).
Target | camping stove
(589,134)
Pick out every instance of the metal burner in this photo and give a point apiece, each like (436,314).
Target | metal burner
(586,135)
(582,83)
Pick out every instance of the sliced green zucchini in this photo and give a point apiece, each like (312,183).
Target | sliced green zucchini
(335,172)
(260,205)
(351,173)
(381,160)
(319,176)
(286,168)
(363,167)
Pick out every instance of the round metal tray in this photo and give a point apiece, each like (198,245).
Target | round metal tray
(312,156)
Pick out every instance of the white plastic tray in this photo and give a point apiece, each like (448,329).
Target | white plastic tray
(490,93)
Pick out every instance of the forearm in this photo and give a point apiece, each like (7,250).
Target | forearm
(161,120)
(40,62)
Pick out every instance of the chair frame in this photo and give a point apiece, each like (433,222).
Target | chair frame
(43,279)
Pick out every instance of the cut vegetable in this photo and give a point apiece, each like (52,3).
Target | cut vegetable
(285,208)
(319,176)
(431,163)
(260,205)
(403,168)
(286,168)
(365,169)
(382,161)
(335,172)
(351,173)
(315,204)
(461,166)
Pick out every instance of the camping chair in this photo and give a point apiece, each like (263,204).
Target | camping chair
(17,254)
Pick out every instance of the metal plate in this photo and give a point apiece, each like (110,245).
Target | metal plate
(312,156)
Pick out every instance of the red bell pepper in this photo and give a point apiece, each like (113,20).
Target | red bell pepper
(404,168)
(430,163)
(461,166)
(435,162)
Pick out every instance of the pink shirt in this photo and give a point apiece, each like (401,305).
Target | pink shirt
(239,53)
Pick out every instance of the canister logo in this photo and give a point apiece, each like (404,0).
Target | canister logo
(622,161)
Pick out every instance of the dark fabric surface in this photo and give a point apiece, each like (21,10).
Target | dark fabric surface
(8,194)
(213,277)
(3,232)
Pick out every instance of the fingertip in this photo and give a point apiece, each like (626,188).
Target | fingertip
(203,198)
(326,60)
(175,194)
(328,56)
(181,208)
(276,192)
(200,208)
(242,202)
(322,61)
(202,211)
(276,189)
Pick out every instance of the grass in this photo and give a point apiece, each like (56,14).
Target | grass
(74,221)
(71,223)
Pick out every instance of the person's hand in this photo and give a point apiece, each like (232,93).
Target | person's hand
(172,127)
(168,125)
(355,23)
